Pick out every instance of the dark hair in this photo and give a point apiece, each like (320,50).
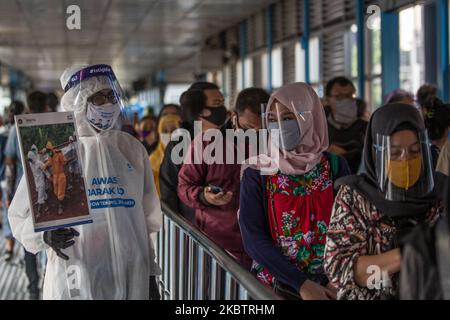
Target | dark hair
(251,99)
(202,86)
(192,104)
(130,130)
(166,106)
(437,118)
(362,107)
(424,93)
(397,96)
(17,107)
(150,110)
(343,81)
(52,101)
(147,117)
(37,101)
(193,101)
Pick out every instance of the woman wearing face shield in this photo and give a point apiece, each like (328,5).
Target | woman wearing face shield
(374,211)
(286,198)
(113,258)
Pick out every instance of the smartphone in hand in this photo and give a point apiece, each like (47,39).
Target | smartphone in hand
(215,190)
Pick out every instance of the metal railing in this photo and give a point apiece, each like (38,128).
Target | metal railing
(195,268)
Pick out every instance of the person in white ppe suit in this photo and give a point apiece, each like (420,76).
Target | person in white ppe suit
(114,257)
(37,166)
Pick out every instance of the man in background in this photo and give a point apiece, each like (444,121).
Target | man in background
(346,129)
(37,103)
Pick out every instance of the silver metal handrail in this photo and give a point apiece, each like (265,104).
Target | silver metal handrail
(195,268)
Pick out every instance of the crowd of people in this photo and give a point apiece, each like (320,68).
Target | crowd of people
(346,213)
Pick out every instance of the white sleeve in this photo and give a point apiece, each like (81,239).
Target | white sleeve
(151,202)
(21,221)
(152,212)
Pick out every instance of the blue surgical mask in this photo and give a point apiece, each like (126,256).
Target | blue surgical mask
(290,134)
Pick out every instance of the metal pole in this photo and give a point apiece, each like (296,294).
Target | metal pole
(305,39)
(444,59)
(181,266)
(243,50)
(269,32)
(174,255)
(166,255)
(213,280)
(360,14)
(390,47)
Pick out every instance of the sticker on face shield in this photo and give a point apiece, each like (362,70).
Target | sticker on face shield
(93,71)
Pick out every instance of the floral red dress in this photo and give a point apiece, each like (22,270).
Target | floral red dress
(299,210)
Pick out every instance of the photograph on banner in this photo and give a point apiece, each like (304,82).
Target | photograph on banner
(53,170)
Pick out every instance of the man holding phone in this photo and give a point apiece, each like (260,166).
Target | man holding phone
(213,190)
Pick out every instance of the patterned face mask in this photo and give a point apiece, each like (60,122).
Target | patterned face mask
(102,117)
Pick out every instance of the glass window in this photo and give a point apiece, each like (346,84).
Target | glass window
(412,64)
(374,93)
(5,98)
(299,63)
(314,60)
(174,92)
(277,67)
(210,76)
(377,92)
(354,51)
(264,72)
(227,82)
(239,85)
(248,72)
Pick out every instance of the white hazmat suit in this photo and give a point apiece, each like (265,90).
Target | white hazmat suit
(36,166)
(114,256)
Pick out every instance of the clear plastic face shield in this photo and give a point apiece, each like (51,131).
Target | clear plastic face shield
(404,165)
(97,92)
(287,124)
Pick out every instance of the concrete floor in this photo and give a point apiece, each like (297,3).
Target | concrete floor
(13,280)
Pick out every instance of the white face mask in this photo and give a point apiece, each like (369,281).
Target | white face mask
(102,117)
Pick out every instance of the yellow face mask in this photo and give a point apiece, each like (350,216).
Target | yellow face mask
(404,173)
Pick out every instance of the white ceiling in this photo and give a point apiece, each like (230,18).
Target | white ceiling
(136,37)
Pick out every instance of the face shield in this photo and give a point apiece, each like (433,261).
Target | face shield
(404,165)
(288,124)
(94,94)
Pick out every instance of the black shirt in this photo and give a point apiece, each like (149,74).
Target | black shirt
(350,139)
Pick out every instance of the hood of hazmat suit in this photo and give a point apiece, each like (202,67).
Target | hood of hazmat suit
(114,256)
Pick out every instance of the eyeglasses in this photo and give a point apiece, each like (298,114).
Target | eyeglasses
(100,98)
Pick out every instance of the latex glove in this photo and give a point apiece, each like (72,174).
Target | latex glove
(60,239)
